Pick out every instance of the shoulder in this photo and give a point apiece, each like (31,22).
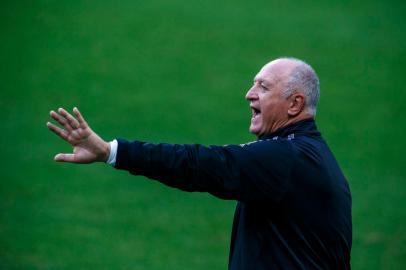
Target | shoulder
(274,142)
(265,149)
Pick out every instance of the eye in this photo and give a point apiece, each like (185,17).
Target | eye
(264,87)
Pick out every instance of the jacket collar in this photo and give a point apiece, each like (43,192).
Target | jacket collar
(306,126)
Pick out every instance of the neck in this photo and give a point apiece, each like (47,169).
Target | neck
(291,120)
(300,117)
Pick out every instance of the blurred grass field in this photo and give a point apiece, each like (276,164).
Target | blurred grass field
(177,71)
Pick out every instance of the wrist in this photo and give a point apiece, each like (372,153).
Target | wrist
(100,148)
(106,152)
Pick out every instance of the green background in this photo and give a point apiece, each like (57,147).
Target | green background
(177,71)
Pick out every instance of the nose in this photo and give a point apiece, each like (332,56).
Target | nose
(251,94)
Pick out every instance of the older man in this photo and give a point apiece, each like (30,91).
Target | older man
(294,203)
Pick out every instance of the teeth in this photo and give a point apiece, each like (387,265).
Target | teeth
(255,111)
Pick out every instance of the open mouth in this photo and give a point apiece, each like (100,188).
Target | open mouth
(255,112)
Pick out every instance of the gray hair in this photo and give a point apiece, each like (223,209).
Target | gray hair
(303,79)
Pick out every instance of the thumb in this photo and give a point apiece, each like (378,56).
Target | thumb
(65,158)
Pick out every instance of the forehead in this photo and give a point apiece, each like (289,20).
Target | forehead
(275,71)
(267,74)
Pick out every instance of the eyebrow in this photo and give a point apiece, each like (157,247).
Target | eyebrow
(261,80)
(256,79)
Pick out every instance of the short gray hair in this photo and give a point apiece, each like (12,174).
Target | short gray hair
(303,79)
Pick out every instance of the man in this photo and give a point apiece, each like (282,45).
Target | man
(294,203)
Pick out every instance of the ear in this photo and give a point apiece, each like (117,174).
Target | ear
(297,104)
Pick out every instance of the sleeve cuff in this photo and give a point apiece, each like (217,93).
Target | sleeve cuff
(113,153)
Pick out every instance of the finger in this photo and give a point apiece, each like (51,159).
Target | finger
(65,158)
(72,121)
(58,131)
(79,117)
(61,120)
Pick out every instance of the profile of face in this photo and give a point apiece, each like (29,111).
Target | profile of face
(271,109)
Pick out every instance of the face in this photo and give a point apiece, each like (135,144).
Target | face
(269,107)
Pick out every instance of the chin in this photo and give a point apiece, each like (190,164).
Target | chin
(255,130)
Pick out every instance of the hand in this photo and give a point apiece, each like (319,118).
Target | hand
(87,146)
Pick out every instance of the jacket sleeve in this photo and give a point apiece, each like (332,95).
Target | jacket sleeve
(250,172)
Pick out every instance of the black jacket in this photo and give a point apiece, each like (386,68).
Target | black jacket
(294,203)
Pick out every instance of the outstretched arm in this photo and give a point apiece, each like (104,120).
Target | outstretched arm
(87,146)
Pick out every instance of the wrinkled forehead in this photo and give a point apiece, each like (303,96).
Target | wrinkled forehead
(275,71)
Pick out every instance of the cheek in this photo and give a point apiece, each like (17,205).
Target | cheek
(274,108)
(269,106)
